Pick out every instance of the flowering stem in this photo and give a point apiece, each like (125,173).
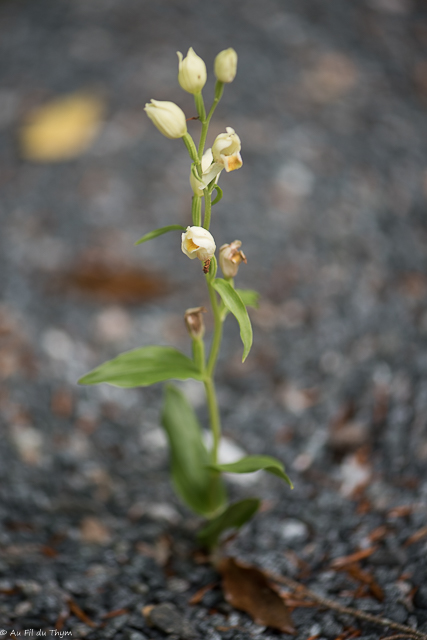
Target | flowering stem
(196,211)
(219,89)
(191,147)
(200,106)
(208,208)
(209,382)
(199,353)
(217,336)
(214,418)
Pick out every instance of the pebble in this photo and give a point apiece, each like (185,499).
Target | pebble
(168,619)
(420,598)
(330,627)
(292,530)
(135,635)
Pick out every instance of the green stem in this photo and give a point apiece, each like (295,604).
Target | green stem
(208,208)
(196,211)
(219,89)
(217,336)
(200,106)
(191,148)
(199,353)
(210,369)
(214,418)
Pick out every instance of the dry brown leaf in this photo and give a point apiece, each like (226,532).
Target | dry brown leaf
(248,589)
(117,283)
(94,531)
(61,129)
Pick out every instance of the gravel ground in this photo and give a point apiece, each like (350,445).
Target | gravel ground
(329,102)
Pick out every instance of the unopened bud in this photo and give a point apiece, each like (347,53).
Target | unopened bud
(225,66)
(230,257)
(194,322)
(191,72)
(168,118)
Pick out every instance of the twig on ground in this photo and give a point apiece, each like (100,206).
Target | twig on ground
(356,613)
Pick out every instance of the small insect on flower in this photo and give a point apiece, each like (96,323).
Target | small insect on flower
(198,242)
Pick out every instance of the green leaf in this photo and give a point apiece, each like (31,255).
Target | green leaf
(234,303)
(142,367)
(249,297)
(200,488)
(249,464)
(233,517)
(160,232)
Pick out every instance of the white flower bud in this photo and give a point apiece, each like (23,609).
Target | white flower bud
(230,258)
(168,118)
(225,66)
(197,242)
(226,150)
(192,72)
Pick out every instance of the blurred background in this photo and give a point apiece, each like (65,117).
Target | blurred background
(330,105)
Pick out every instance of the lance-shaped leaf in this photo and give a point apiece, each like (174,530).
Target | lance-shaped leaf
(234,303)
(198,486)
(233,517)
(142,367)
(249,297)
(249,464)
(160,232)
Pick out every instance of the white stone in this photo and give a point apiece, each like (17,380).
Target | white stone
(292,529)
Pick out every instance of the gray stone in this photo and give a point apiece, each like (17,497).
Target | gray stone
(168,619)
(135,635)
(420,598)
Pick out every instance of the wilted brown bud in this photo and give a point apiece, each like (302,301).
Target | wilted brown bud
(194,322)
(230,257)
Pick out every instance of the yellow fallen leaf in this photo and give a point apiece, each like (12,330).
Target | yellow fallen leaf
(61,129)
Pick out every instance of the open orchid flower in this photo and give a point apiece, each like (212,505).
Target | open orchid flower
(225,154)
(210,170)
(197,242)
(226,150)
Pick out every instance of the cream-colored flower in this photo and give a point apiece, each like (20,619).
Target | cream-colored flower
(192,72)
(210,170)
(230,257)
(194,322)
(168,118)
(197,242)
(225,66)
(226,150)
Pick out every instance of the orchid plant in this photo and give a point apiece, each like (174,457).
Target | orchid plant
(197,471)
